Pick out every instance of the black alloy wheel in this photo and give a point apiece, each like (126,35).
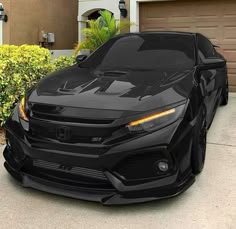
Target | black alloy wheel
(225,94)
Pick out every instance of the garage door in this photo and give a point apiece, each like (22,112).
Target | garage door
(215,19)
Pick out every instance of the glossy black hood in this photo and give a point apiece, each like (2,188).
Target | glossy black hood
(130,90)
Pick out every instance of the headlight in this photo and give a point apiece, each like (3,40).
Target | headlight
(156,120)
(22,109)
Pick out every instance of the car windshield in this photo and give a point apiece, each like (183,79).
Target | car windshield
(144,52)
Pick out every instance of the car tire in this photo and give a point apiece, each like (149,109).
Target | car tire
(199,144)
(225,94)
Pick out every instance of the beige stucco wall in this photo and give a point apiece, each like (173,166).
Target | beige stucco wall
(28,18)
(127,4)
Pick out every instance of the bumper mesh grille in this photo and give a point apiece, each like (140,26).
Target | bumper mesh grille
(96,174)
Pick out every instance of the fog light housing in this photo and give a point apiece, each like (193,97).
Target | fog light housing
(163,166)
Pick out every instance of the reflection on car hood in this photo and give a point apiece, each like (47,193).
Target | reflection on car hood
(136,90)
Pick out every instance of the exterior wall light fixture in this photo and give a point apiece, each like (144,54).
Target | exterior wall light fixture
(3,16)
(122,7)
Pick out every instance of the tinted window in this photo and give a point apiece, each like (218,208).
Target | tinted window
(144,52)
(205,46)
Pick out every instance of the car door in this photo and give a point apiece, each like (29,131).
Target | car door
(211,79)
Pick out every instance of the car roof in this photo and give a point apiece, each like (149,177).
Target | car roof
(162,32)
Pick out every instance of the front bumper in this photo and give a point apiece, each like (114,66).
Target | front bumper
(119,195)
(114,175)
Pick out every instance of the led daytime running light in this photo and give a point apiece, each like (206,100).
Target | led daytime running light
(151,117)
(22,109)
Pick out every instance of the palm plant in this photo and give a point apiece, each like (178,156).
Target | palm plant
(99,31)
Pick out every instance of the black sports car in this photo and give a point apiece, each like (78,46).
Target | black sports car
(127,124)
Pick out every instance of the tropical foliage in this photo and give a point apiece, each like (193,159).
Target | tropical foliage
(99,31)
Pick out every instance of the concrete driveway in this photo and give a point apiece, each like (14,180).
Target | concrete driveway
(209,203)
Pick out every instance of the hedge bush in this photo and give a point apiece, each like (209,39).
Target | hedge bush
(20,68)
(63,62)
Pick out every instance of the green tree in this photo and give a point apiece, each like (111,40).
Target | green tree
(99,31)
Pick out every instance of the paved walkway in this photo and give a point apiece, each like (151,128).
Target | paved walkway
(209,203)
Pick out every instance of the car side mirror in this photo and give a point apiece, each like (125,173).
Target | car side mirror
(210,63)
(80,58)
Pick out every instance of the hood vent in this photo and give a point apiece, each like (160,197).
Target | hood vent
(113,73)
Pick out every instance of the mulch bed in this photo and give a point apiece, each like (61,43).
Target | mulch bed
(2,136)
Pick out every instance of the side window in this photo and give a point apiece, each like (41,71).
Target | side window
(206,48)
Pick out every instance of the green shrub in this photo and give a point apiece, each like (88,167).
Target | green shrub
(63,62)
(20,68)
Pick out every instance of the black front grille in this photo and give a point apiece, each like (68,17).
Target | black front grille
(58,124)
(78,133)
(67,114)
(51,117)
(91,173)
(64,147)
